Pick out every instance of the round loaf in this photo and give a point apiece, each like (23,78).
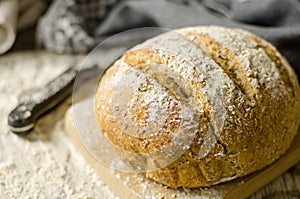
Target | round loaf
(233,91)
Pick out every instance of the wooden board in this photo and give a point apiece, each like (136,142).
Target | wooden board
(134,186)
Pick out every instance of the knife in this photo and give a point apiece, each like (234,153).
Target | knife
(23,117)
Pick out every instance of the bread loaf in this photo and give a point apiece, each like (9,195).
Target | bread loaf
(228,95)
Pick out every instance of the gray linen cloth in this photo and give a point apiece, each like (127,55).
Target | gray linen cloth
(77,25)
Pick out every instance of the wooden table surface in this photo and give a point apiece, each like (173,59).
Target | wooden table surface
(46,164)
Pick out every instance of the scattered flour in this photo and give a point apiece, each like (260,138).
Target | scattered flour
(44,164)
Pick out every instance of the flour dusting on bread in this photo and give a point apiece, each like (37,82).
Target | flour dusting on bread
(200,105)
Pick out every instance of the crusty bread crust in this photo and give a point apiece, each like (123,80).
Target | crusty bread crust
(181,82)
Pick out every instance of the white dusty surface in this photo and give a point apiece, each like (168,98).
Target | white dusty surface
(46,163)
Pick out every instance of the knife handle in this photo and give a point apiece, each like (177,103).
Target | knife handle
(22,119)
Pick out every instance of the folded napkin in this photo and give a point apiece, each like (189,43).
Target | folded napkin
(16,16)
(77,25)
